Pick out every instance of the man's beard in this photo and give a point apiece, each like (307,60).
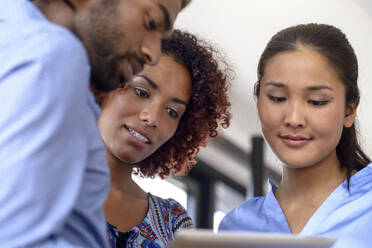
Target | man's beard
(105,75)
(98,30)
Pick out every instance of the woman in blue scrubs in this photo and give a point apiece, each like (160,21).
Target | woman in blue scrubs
(307,97)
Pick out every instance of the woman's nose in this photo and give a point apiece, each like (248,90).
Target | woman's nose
(151,116)
(295,115)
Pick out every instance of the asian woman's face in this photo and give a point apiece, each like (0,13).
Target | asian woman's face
(139,118)
(302,108)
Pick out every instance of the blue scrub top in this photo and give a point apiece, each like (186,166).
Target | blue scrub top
(345,215)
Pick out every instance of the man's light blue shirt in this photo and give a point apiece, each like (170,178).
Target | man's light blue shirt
(344,215)
(53,173)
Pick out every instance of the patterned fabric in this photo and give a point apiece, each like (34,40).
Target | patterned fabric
(164,218)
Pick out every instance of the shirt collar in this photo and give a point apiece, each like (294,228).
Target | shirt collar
(361,178)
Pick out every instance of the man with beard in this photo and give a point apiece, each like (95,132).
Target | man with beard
(52,182)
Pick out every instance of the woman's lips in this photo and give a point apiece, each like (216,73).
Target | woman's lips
(138,137)
(295,141)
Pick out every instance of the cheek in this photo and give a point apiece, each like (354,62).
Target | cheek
(106,132)
(112,113)
(107,124)
(134,31)
(269,116)
(104,120)
(167,132)
(328,123)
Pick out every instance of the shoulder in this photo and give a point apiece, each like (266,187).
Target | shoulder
(251,205)
(179,218)
(248,212)
(361,182)
(57,44)
(175,215)
(45,55)
(41,41)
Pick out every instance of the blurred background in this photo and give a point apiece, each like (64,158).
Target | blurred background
(237,165)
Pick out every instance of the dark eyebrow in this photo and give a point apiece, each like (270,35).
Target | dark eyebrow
(166,16)
(177,100)
(149,81)
(311,88)
(319,87)
(276,84)
(155,86)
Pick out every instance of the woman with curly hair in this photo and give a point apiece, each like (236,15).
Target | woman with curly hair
(154,125)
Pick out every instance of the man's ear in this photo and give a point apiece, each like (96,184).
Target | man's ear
(350,113)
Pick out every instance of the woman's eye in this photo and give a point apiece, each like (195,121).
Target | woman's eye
(318,103)
(141,93)
(277,99)
(152,25)
(172,113)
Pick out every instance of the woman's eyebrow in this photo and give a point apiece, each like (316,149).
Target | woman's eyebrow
(149,81)
(275,84)
(311,88)
(319,87)
(155,86)
(177,100)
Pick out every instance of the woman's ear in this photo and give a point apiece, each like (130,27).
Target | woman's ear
(350,113)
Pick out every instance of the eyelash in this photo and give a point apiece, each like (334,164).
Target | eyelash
(151,23)
(144,94)
(317,103)
(277,99)
(141,93)
(312,102)
(172,113)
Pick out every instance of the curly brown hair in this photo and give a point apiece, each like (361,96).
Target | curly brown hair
(209,106)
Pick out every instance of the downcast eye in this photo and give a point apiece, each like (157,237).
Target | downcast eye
(141,93)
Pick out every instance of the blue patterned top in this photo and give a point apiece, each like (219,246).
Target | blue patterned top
(163,219)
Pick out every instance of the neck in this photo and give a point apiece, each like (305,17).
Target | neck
(121,178)
(127,204)
(320,179)
(58,11)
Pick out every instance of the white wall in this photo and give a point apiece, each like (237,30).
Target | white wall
(243,27)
